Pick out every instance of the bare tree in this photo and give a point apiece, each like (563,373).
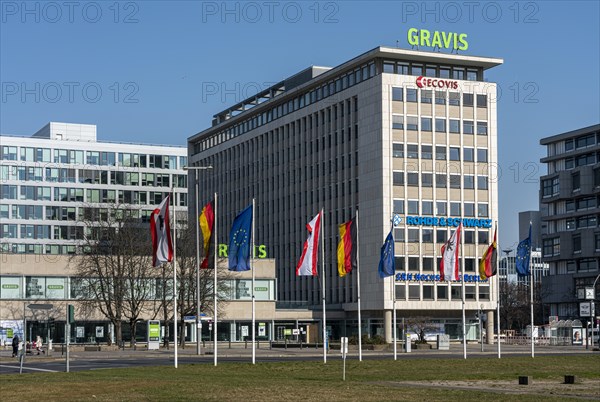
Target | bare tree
(114,268)
(515,305)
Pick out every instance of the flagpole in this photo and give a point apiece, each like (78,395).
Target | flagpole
(358,286)
(498,295)
(531,278)
(253,298)
(464,325)
(394,309)
(174,275)
(215,288)
(198,322)
(323,290)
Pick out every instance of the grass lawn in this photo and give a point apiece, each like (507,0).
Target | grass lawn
(373,380)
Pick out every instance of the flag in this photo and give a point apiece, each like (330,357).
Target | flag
(487,265)
(523,255)
(160,231)
(387,260)
(239,241)
(450,261)
(206,222)
(307,265)
(346,251)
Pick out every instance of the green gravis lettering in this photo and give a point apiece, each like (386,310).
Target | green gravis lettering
(447,40)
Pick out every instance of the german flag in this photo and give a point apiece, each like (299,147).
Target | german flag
(346,251)
(487,264)
(206,221)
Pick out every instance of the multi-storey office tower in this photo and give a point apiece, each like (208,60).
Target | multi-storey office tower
(390,132)
(569,202)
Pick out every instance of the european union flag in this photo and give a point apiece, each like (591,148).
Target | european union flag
(524,255)
(239,241)
(386,263)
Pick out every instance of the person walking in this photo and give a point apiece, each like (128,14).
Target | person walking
(15,345)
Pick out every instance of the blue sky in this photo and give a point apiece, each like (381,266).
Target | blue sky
(156,72)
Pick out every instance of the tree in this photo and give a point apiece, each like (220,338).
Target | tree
(114,269)
(420,325)
(515,305)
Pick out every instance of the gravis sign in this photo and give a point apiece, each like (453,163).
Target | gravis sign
(446,40)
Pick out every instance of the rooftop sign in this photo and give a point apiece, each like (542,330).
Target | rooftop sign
(440,39)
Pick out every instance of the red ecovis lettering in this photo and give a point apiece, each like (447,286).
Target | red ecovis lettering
(436,83)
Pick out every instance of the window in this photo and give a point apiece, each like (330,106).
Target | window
(467,99)
(482,128)
(411,95)
(469,265)
(413,237)
(440,125)
(481,100)
(399,206)
(482,155)
(482,182)
(469,181)
(412,179)
(569,163)
(397,122)
(442,292)
(587,265)
(576,243)
(454,126)
(455,208)
(441,235)
(440,208)
(398,178)
(440,97)
(412,151)
(550,187)
(467,126)
(425,123)
(427,207)
(426,96)
(454,181)
(426,152)
(412,123)
(482,210)
(440,153)
(397,94)
(483,236)
(398,150)
(441,180)
(469,154)
(414,292)
(417,69)
(427,235)
(469,236)
(413,207)
(576,180)
(427,179)
(471,75)
(454,99)
(454,154)
(597,241)
(469,209)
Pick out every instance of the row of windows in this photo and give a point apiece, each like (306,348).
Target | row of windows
(427,292)
(100,158)
(334,86)
(582,222)
(441,180)
(67,175)
(441,97)
(411,123)
(457,209)
(430,264)
(432,70)
(441,152)
(581,160)
(426,235)
(585,141)
(73,288)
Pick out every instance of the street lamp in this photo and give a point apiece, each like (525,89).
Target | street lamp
(198,322)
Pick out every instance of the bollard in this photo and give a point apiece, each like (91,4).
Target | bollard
(285,343)
(257,344)
(245,343)
(570,379)
(229,343)
(270,344)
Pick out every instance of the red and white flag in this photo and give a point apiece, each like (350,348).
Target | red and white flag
(308,262)
(160,230)
(450,261)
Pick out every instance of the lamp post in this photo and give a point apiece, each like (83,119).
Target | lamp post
(198,312)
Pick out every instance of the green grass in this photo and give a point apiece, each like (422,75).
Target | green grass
(313,381)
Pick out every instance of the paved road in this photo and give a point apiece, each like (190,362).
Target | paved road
(82,360)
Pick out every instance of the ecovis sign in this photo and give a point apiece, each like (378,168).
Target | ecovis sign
(443,40)
(426,82)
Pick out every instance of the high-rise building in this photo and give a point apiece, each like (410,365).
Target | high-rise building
(533,217)
(389,132)
(569,203)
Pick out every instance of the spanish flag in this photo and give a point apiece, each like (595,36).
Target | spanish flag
(487,264)
(206,220)
(346,251)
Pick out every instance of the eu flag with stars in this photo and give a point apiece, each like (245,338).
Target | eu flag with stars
(524,255)
(239,241)
(386,263)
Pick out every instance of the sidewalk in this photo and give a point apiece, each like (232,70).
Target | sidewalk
(239,351)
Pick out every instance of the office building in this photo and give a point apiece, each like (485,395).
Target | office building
(391,132)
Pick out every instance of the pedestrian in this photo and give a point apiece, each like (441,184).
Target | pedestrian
(15,345)
(38,345)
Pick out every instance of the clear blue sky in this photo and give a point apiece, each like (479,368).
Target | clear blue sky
(164,68)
